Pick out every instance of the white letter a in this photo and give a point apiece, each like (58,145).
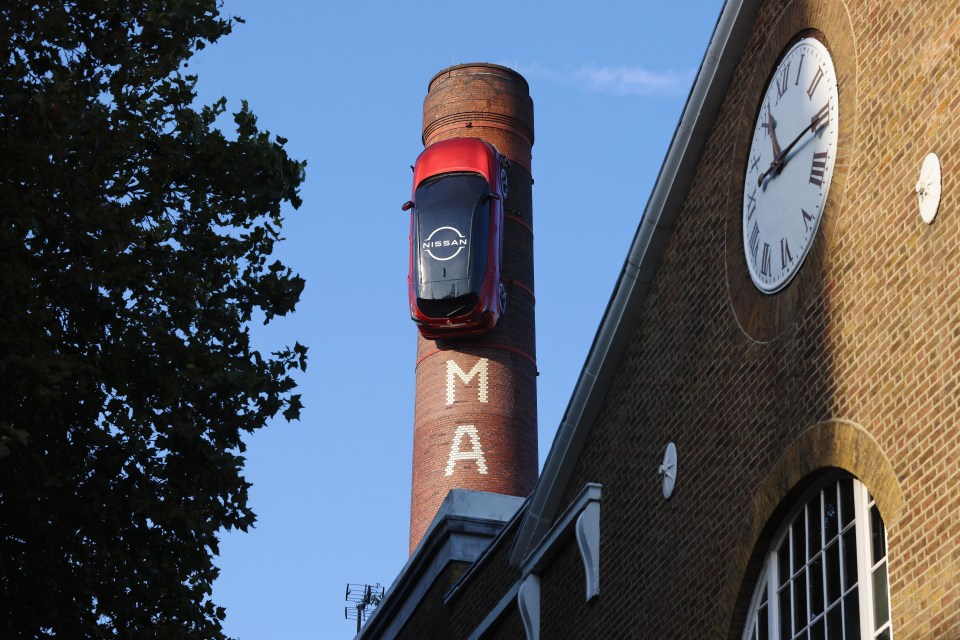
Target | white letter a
(476,453)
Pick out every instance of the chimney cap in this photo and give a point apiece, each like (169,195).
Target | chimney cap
(481,68)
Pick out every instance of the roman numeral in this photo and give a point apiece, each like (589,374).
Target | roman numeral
(783,82)
(807,219)
(799,66)
(820,121)
(818,168)
(765,261)
(756,162)
(813,83)
(785,256)
(754,241)
(751,204)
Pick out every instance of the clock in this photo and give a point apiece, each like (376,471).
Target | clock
(790,164)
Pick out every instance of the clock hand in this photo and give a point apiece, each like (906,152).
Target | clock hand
(771,171)
(771,126)
(813,125)
(781,158)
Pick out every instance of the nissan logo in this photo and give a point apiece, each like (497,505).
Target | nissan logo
(445,243)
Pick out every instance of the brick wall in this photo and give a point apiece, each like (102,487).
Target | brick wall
(431,618)
(855,366)
(485,585)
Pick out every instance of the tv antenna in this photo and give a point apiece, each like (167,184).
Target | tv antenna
(364,599)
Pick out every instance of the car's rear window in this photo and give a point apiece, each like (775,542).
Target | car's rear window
(447,227)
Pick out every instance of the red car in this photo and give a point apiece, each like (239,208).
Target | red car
(456,238)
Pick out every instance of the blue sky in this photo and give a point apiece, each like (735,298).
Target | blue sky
(345,84)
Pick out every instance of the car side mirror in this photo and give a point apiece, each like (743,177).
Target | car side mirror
(407,205)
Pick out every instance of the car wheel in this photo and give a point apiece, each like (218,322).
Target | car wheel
(503,182)
(503,298)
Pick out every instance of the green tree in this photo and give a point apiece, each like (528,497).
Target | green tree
(134,253)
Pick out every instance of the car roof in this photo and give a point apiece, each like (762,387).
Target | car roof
(454,156)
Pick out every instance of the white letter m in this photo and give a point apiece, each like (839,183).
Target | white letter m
(454,371)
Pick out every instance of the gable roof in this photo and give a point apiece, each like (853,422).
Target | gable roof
(654,231)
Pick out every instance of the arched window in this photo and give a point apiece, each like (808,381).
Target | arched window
(825,575)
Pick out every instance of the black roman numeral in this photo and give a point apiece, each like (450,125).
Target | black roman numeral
(813,83)
(799,67)
(765,261)
(783,82)
(820,121)
(807,219)
(785,256)
(756,162)
(818,168)
(751,204)
(754,241)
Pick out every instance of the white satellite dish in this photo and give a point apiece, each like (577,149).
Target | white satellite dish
(929,187)
(668,470)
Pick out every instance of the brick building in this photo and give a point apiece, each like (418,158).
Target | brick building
(806,372)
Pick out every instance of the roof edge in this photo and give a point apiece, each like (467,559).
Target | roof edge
(462,529)
(633,283)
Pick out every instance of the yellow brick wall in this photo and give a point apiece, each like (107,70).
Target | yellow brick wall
(856,365)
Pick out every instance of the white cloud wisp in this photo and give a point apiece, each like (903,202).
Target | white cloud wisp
(618,80)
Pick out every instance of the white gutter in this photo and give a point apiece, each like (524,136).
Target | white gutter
(656,227)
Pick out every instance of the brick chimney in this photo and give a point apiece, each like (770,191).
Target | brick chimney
(475,420)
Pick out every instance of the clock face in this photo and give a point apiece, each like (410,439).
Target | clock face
(790,164)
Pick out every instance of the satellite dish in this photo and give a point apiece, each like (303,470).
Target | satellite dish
(929,187)
(668,470)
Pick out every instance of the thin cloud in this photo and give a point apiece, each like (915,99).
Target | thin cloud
(621,80)
(636,81)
